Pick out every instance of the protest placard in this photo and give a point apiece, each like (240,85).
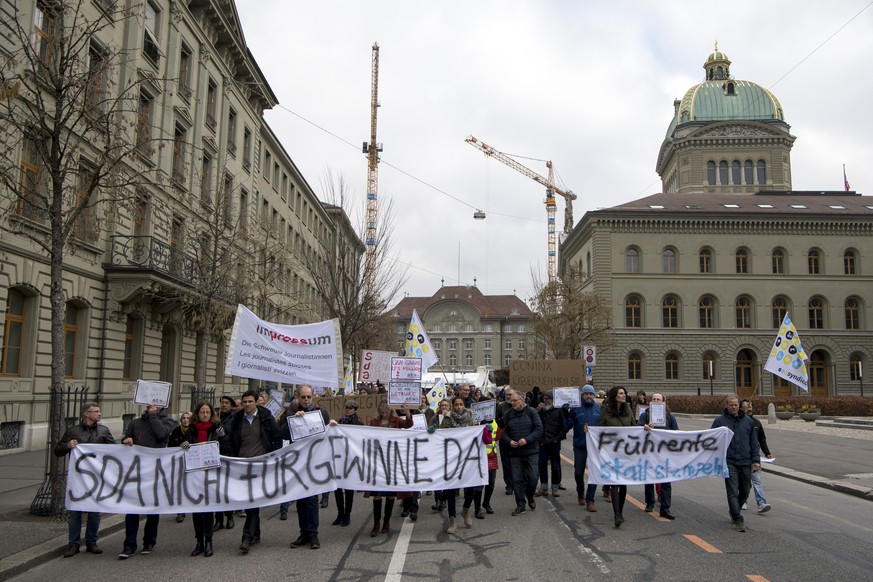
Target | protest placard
(274,407)
(419,422)
(405,369)
(305,425)
(657,413)
(400,393)
(525,374)
(570,396)
(202,456)
(152,393)
(376,366)
(484,410)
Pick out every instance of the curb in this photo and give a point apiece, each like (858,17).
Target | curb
(860,491)
(24,560)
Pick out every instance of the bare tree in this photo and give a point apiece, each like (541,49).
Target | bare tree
(66,122)
(339,278)
(569,317)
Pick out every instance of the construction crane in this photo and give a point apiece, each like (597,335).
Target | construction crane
(372,149)
(551,190)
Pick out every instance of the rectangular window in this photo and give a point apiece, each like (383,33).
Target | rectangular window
(453,344)
(144,124)
(140,213)
(186,59)
(488,360)
(31,203)
(211,103)
(71,330)
(98,79)
(13,332)
(85,228)
(206,180)
(179,152)
(231,132)
(227,199)
(487,344)
(43,37)
(468,344)
(127,368)
(671,368)
(521,344)
(634,368)
(507,345)
(437,344)
(268,165)
(151,35)
(247,149)
(243,211)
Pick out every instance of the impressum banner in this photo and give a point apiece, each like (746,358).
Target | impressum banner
(132,479)
(311,353)
(635,456)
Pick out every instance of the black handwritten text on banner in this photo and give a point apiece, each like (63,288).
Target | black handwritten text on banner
(122,479)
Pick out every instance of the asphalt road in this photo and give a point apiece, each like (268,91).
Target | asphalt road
(811,534)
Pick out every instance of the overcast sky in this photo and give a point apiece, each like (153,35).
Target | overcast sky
(589,85)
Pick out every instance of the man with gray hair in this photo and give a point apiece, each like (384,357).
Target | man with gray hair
(743,457)
(89,430)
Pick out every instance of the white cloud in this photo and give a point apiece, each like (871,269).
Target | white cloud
(589,85)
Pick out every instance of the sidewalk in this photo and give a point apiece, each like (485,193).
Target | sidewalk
(834,458)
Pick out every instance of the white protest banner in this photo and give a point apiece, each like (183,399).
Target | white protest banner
(376,366)
(787,358)
(569,396)
(635,456)
(293,354)
(405,369)
(305,425)
(418,344)
(152,393)
(202,456)
(400,393)
(133,479)
(484,410)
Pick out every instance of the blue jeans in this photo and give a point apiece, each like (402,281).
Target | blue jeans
(92,529)
(550,454)
(131,528)
(580,459)
(759,488)
(307,515)
(738,485)
(524,477)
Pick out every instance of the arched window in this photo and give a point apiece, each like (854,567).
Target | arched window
(744,313)
(710,173)
(632,260)
(668,260)
(813,259)
(635,366)
(706,308)
(853,313)
(633,311)
(671,367)
(730,89)
(849,262)
(749,171)
(780,308)
(13,334)
(762,172)
(670,311)
(742,257)
(816,313)
(722,172)
(705,261)
(735,173)
(778,262)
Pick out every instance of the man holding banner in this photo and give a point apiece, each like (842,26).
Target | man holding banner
(253,432)
(743,457)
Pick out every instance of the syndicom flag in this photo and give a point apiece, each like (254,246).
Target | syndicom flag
(437,393)
(787,358)
(417,343)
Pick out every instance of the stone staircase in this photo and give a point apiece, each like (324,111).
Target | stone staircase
(847,422)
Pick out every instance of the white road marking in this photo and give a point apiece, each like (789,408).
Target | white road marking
(398,558)
(588,552)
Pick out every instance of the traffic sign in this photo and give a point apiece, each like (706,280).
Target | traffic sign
(589,354)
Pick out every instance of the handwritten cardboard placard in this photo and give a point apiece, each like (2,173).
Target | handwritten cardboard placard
(152,393)
(405,369)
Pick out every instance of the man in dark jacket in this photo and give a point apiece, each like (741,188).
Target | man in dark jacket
(550,447)
(152,430)
(666,495)
(743,457)
(757,486)
(253,432)
(90,431)
(523,430)
(307,507)
(579,419)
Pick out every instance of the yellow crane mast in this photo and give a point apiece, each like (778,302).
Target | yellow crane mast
(372,149)
(551,190)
